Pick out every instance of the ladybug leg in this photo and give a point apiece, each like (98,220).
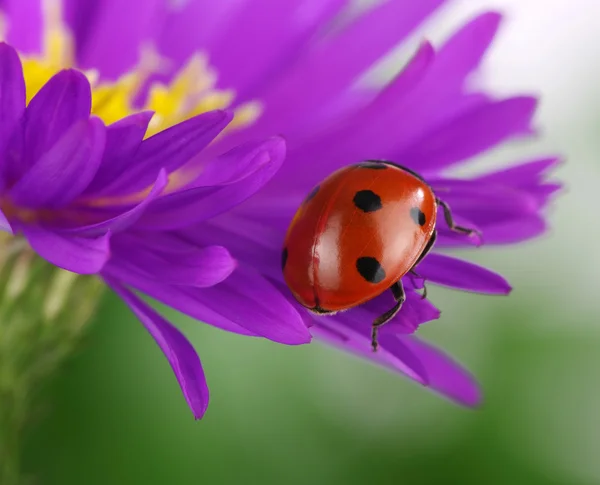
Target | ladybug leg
(399,296)
(452,225)
(425,252)
(417,275)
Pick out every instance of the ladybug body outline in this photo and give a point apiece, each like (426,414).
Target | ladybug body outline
(357,233)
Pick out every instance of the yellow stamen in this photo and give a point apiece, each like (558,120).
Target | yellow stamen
(192,91)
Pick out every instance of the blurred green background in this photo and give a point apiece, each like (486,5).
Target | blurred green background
(312,415)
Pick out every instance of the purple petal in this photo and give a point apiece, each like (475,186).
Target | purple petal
(61,102)
(392,352)
(470,134)
(446,236)
(181,298)
(190,206)
(250,301)
(200,268)
(123,139)
(482,202)
(336,62)
(244,303)
(455,273)
(238,163)
(24,19)
(441,96)
(169,149)
(124,219)
(445,375)
(528,177)
(177,349)
(114,27)
(414,358)
(259,245)
(350,139)
(464,51)
(189,26)
(265,47)
(77,254)
(414,312)
(515,230)
(12,99)
(65,170)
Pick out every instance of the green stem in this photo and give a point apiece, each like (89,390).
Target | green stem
(10,438)
(44,313)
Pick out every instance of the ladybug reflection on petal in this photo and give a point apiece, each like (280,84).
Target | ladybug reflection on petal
(357,234)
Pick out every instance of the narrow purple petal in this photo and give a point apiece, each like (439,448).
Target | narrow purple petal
(258,245)
(65,170)
(63,101)
(236,164)
(522,174)
(354,138)
(177,349)
(126,218)
(263,47)
(24,24)
(193,205)
(244,303)
(181,298)
(76,254)
(115,27)
(464,51)
(480,201)
(337,61)
(169,149)
(414,312)
(462,275)
(441,96)
(445,375)
(516,230)
(123,139)
(12,100)
(193,25)
(403,359)
(250,301)
(392,353)
(199,268)
(412,357)
(472,133)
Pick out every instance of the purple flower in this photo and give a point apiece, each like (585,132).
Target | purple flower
(292,68)
(78,192)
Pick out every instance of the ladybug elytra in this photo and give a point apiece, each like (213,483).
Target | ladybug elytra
(357,234)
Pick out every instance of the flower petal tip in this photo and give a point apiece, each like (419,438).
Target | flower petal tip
(297,338)
(7,50)
(72,75)
(224,115)
(489,21)
(425,49)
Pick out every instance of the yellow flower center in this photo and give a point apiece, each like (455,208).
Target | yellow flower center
(193,90)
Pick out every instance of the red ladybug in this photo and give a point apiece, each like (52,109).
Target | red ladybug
(357,234)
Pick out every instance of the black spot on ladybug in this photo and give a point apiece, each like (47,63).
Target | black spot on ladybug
(418,216)
(373,164)
(367,201)
(370,269)
(313,192)
(284,256)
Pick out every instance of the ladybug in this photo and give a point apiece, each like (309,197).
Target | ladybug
(357,234)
